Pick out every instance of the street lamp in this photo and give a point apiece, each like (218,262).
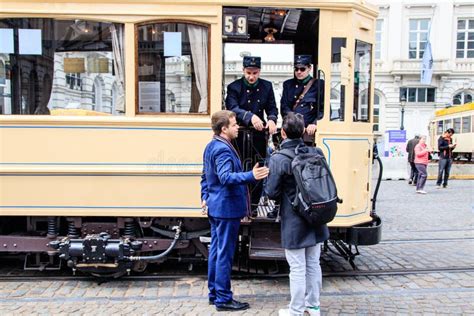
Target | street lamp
(403,101)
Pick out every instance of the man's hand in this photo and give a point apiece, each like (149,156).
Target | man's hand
(452,145)
(311,129)
(204,207)
(272,128)
(257,123)
(259,172)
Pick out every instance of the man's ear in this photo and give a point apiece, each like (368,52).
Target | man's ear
(283,134)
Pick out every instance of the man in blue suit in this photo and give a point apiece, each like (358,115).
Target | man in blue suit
(225,194)
(251,97)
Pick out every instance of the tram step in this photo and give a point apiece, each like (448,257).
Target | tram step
(267,254)
(265,243)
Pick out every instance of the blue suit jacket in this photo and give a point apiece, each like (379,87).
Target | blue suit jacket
(223,184)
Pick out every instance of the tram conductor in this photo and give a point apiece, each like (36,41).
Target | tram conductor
(251,98)
(302,94)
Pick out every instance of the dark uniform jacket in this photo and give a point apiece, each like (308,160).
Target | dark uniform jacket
(295,231)
(223,183)
(292,89)
(246,100)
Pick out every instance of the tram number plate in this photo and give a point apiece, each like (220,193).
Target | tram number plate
(234,23)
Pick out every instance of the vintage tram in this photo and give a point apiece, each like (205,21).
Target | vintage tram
(105,111)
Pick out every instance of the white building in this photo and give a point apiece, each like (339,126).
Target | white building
(403,29)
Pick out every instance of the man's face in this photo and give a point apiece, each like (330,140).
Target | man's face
(302,71)
(251,74)
(232,130)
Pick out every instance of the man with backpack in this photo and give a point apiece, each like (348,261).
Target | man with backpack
(300,238)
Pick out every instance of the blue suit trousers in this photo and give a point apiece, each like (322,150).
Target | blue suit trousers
(224,235)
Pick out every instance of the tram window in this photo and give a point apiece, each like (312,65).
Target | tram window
(52,68)
(466,124)
(447,124)
(440,128)
(337,103)
(457,125)
(173,67)
(362,73)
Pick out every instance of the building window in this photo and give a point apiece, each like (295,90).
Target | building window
(376,127)
(74,81)
(172,57)
(462,98)
(378,38)
(418,95)
(465,39)
(418,37)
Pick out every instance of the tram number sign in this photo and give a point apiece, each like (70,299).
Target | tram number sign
(234,23)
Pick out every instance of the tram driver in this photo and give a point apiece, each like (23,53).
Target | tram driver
(250,97)
(302,94)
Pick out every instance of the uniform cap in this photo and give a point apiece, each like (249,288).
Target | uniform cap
(303,60)
(252,61)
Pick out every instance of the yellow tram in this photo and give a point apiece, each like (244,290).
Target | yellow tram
(105,111)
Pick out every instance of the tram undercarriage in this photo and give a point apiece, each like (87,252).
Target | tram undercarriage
(113,247)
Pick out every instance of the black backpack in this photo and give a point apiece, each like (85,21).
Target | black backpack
(316,193)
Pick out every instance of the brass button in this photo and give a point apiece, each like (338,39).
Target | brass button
(258,90)
(296,86)
(248,101)
(258,101)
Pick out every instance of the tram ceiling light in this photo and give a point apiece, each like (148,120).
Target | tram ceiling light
(270,29)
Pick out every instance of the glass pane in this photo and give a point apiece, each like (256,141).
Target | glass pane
(171,79)
(413,25)
(461,24)
(422,45)
(337,102)
(448,124)
(420,54)
(457,125)
(467,98)
(376,113)
(466,124)
(471,24)
(461,36)
(412,54)
(421,95)
(376,99)
(362,72)
(470,45)
(440,129)
(424,24)
(470,54)
(424,36)
(336,44)
(460,54)
(470,36)
(459,45)
(72,72)
(457,99)
(412,37)
(431,95)
(412,95)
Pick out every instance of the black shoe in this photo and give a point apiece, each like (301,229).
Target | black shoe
(272,214)
(232,306)
(409,182)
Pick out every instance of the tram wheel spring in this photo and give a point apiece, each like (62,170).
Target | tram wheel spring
(52,227)
(72,231)
(129,229)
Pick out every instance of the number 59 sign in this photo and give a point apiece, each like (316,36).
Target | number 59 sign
(234,22)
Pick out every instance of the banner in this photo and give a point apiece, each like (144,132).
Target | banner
(427,65)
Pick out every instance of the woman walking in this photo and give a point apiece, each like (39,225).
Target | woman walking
(421,162)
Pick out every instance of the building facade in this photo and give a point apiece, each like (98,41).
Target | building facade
(403,30)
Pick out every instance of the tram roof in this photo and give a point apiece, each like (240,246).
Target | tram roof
(455,109)
(361,5)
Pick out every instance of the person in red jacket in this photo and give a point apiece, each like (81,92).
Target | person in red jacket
(421,162)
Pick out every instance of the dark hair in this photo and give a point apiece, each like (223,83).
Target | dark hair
(450,130)
(221,119)
(293,125)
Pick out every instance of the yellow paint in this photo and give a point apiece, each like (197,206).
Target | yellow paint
(142,165)
(455,109)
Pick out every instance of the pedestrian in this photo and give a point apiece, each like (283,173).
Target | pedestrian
(445,148)
(302,242)
(250,97)
(301,94)
(421,162)
(224,194)
(411,159)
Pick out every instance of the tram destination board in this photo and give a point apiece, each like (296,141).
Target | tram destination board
(234,23)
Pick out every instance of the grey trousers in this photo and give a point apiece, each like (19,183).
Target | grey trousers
(305,278)
(422,174)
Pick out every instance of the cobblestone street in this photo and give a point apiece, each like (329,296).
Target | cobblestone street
(433,231)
